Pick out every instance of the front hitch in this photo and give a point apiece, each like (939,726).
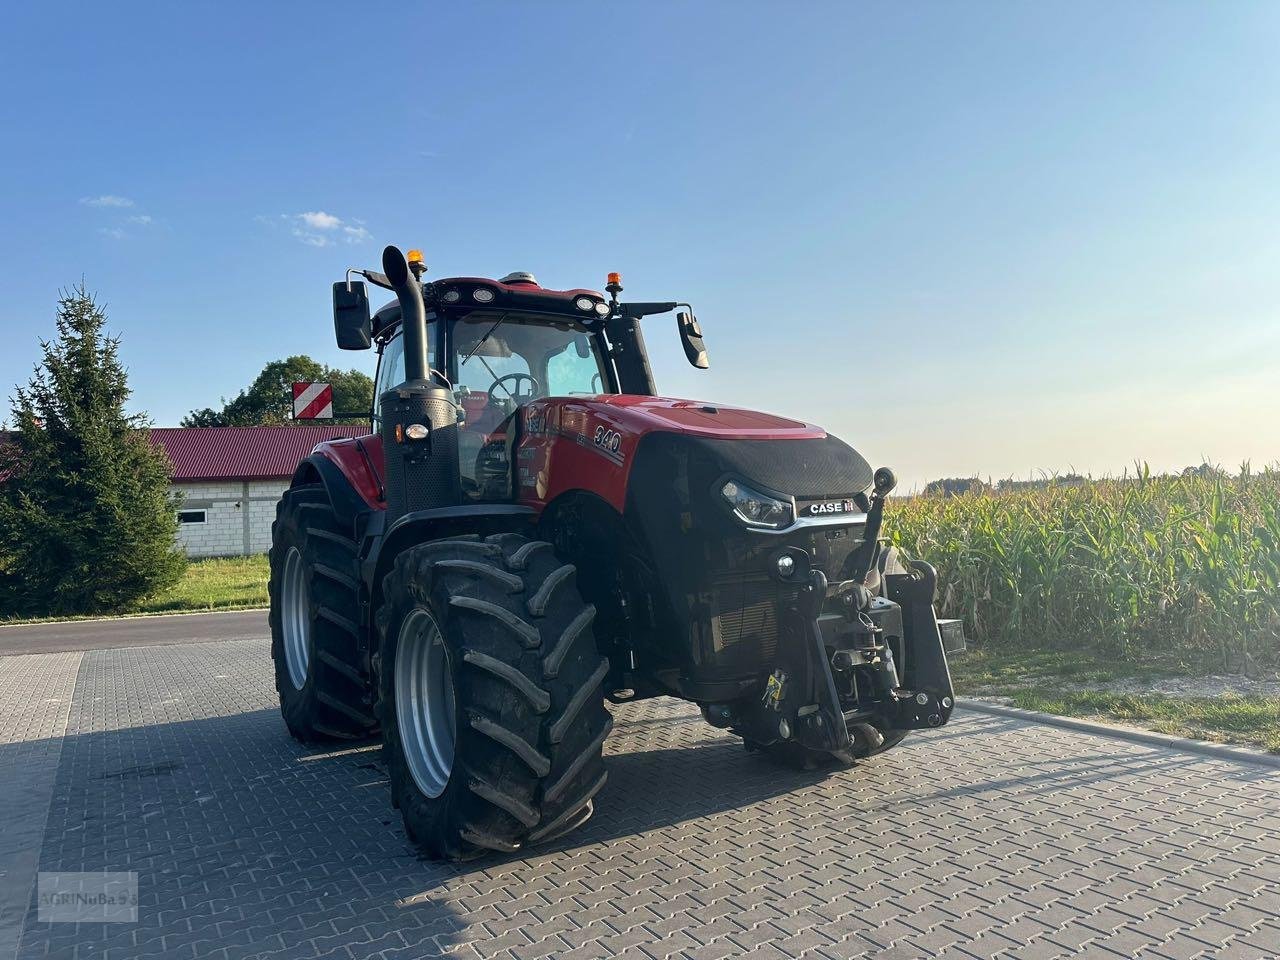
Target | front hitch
(801,701)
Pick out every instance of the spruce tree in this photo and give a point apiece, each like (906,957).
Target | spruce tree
(87,522)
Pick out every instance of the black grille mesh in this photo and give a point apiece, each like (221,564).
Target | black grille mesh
(749,610)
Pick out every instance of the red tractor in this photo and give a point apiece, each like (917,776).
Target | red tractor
(530,531)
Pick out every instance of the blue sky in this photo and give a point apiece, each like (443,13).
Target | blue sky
(969,238)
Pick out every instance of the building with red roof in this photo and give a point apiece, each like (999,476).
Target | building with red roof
(230,479)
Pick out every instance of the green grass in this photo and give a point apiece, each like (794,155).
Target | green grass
(217,583)
(978,669)
(1251,721)
(1035,680)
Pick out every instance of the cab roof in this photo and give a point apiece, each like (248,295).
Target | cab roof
(458,294)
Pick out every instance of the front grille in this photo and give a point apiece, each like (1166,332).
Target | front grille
(747,614)
(756,619)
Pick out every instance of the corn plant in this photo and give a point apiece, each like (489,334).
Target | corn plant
(1130,566)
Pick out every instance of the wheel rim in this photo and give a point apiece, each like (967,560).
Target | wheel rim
(425,711)
(296,618)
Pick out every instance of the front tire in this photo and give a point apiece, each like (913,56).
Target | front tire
(315,621)
(798,757)
(490,695)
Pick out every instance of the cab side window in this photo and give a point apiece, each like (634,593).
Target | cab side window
(574,370)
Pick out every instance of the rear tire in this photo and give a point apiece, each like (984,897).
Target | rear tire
(315,621)
(516,757)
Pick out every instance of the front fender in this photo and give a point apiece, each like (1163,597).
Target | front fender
(421,526)
(347,501)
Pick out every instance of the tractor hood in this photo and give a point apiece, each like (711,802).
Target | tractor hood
(641,415)
(597,442)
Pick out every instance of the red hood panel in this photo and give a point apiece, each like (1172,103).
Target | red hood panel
(645,414)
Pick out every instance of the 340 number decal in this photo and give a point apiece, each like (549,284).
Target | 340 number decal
(611,440)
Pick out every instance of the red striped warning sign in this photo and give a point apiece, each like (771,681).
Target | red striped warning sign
(312,401)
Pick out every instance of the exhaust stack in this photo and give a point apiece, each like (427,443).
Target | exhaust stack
(413,315)
(419,418)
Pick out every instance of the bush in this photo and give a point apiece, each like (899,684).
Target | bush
(1187,564)
(87,523)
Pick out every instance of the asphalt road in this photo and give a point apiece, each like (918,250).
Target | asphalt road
(79,635)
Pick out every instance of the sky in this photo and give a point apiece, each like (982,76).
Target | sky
(974,238)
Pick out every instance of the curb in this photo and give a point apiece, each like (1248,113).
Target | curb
(1148,738)
(131,616)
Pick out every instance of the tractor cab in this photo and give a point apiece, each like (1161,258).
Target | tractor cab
(497,346)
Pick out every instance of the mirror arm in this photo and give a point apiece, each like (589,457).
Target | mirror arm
(638,310)
(377,279)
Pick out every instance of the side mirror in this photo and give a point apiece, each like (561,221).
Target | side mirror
(691,340)
(351,323)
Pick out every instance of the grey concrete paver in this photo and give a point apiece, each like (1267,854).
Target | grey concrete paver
(35,700)
(992,837)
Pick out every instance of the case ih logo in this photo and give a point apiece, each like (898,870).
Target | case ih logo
(312,401)
(822,507)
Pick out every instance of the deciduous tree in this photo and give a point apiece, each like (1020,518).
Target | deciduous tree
(269,399)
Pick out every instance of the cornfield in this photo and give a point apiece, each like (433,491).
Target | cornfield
(1129,567)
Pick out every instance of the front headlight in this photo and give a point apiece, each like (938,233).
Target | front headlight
(754,508)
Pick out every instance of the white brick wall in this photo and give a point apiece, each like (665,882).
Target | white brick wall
(226,505)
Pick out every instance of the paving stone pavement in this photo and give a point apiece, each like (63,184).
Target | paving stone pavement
(35,698)
(991,837)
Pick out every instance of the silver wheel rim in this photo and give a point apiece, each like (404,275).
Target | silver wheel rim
(296,618)
(425,711)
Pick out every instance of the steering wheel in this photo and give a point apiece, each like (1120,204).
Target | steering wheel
(515,394)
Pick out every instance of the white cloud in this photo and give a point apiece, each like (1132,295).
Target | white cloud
(115,233)
(319,220)
(316,228)
(142,219)
(312,239)
(107,200)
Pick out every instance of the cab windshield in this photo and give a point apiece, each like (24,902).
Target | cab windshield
(511,359)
